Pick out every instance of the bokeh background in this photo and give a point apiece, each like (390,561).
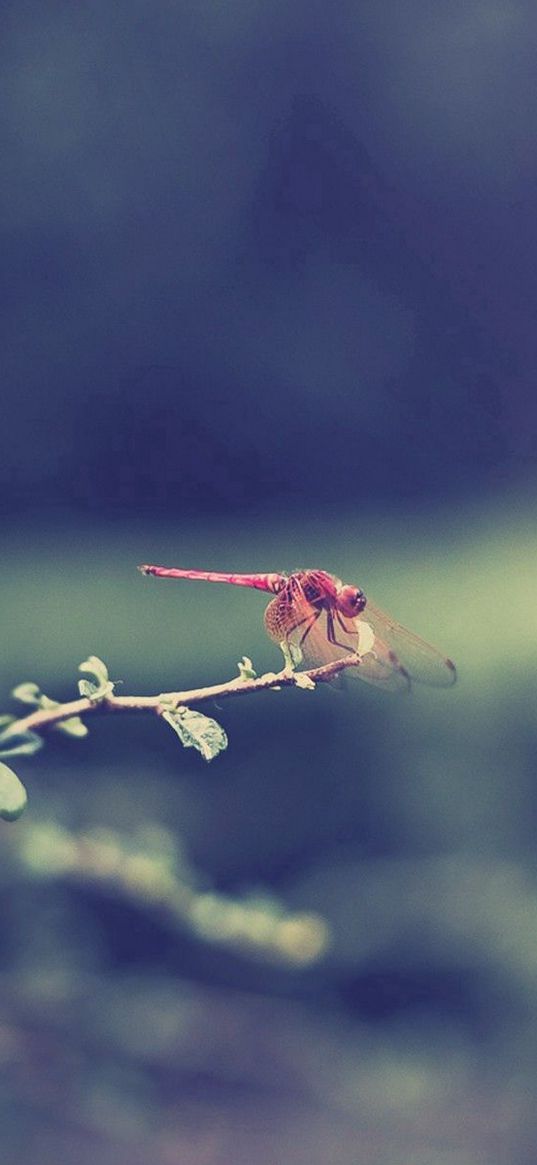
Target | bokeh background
(268,292)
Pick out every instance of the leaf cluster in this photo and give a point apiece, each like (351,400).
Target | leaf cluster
(193,729)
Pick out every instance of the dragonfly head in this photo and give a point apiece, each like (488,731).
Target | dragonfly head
(350,601)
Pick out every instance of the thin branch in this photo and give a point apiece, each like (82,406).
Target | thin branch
(46,717)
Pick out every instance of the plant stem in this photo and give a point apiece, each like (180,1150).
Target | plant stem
(47,717)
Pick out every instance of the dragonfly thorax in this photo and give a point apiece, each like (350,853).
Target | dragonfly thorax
(317,586)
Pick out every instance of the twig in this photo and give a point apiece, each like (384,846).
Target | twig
(47,717)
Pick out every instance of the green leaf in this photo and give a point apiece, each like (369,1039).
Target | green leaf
(96,668)
(46,702)
(246,669)
(28,694)
(7,718)
(20,743)
(74,726)
(366,637)
(99,687)
(13,795)
(197,731)
(291,653)
(32,694)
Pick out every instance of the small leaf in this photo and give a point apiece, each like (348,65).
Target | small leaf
(20,743)
(27,694)
(304,681)
(88,689)
(74,726)
(366,637)
(95,667)
(46,702)
(7,718)
(246,669)
(291,654)
(13,795)
(99,687)
(197,731)
(32,694)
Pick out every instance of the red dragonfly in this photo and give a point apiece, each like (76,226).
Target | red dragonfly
(325,618)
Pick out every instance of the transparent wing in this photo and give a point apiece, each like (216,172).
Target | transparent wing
(423,663)
(292,618)
(288,616)
(378,666)
(394,656)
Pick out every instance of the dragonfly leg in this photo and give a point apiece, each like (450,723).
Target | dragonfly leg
(330,633)
(310,620)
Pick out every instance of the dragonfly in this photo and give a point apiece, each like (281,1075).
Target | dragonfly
(320,619)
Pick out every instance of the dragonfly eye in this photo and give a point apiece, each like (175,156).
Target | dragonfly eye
(350,601)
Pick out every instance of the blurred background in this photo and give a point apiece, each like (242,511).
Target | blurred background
(268,294)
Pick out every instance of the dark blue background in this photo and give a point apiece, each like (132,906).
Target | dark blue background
(259,254)
(268,292)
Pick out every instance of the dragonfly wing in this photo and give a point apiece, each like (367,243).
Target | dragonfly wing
(289,615)
(378,665)
(391,656)
(422,662)
(302,626)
